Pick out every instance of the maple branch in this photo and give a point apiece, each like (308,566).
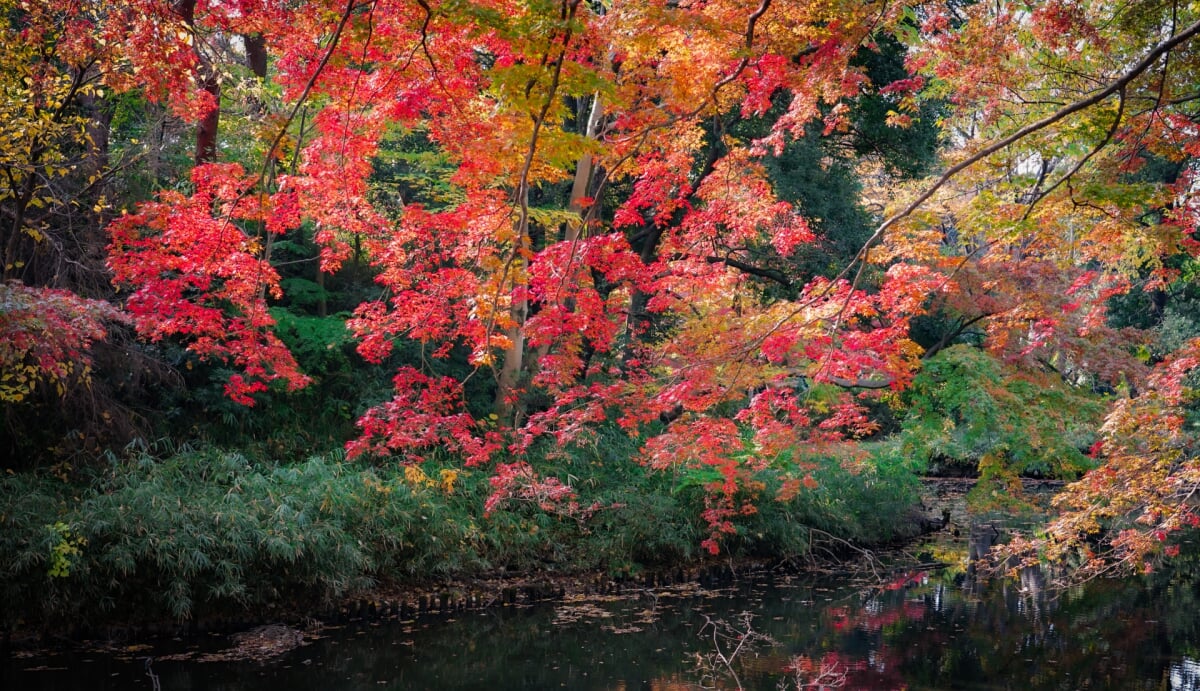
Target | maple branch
(538,122)
(751,23)
(1178,101)
(518,310)
(762,272)
(1112,131)
(651,233)
(1116,86)
(1158,101)
(961,326)
(437,75)
(308,86)
(269,157)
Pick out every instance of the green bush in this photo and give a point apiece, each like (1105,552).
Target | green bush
(210,531)
(204,530)
(965,409)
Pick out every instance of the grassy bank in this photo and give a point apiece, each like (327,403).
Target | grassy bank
(198,533)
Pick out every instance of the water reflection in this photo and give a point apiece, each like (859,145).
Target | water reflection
(920,630)
(1185,675)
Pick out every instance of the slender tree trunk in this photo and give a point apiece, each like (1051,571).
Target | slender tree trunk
(514,355)
(206,129)
(580,188)
(99,128)
(583,172)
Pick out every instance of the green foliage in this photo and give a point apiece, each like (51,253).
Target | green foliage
(303,292)
(322,345)
(152,147)
(209,531)
(968,410)
(64,549)
(862,498)
(1180,324)
(411,168)
(906,152)
(827,190)
(286,425)
(643,521)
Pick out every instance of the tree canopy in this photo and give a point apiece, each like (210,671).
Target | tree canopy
(737,230)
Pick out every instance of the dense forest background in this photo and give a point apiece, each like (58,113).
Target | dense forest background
(300,297)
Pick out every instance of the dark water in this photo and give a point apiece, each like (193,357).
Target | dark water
(916,630)
(922,630)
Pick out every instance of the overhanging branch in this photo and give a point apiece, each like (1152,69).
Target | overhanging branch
(1117,86)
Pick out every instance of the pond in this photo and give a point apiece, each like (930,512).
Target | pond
(935,629)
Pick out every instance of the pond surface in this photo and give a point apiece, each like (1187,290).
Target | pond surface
(916,630)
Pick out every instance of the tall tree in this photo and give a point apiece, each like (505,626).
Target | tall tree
(1033,223)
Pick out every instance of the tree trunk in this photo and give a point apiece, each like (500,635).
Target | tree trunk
(580,188)
(13,266)
(513,365)
(514,362)
(637,322)
(206,129)
(98,129)
(256,54)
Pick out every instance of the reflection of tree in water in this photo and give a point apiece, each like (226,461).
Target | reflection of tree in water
(945,629)
(1022,634)
(940,629)
(1185,675)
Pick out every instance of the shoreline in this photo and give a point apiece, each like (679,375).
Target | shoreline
(411,601)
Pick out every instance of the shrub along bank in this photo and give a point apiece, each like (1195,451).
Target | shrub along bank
(200,533)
